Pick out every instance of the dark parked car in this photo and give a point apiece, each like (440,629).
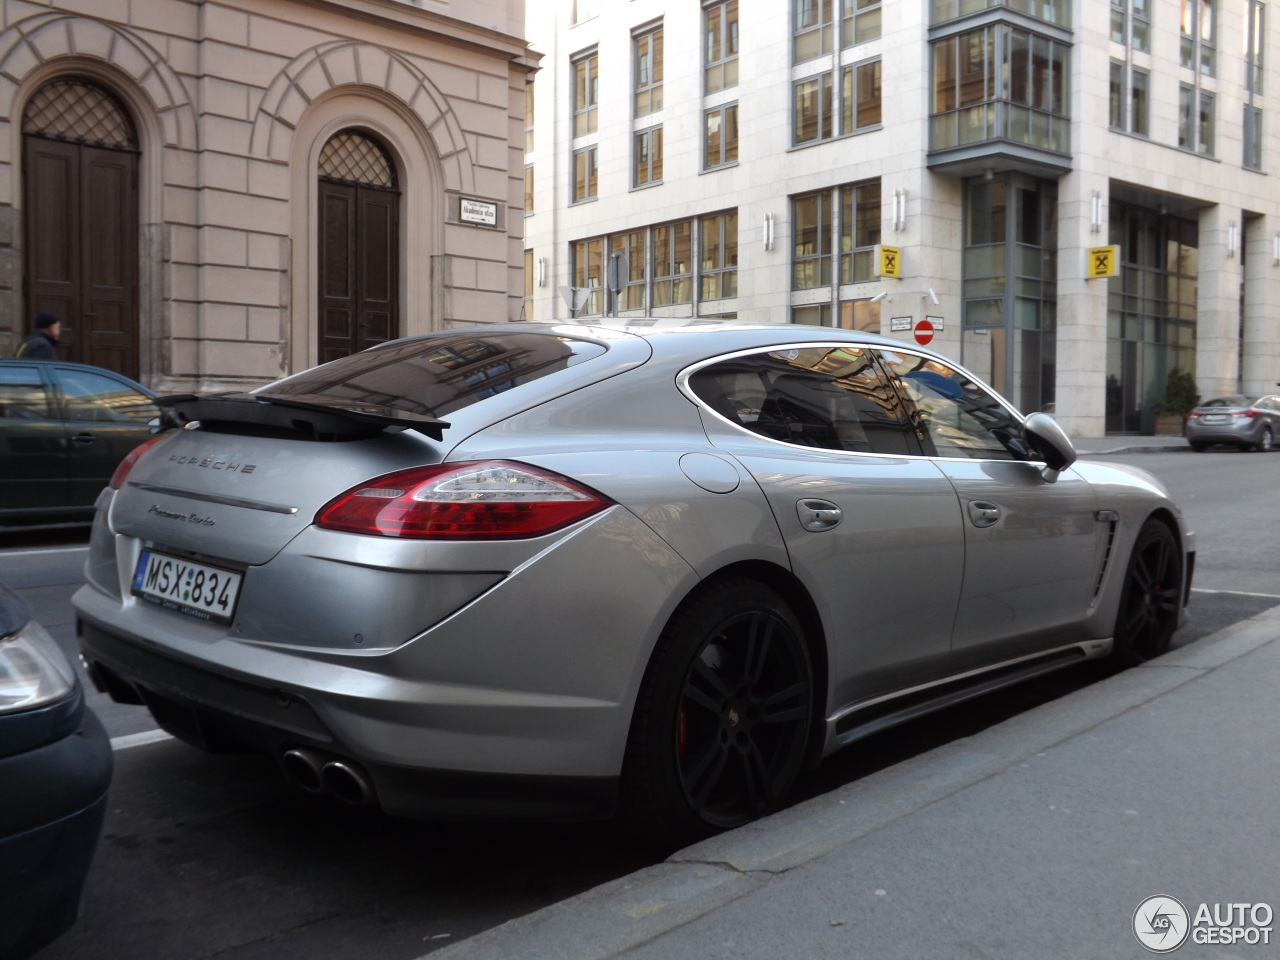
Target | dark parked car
(1247,422)
(64,428)
(55,765)
(561,570)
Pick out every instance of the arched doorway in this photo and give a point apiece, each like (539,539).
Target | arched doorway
(80,163)
(359,247)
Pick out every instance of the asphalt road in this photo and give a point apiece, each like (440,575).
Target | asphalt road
(218,857)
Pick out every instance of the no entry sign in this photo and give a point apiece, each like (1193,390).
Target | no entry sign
(924,332)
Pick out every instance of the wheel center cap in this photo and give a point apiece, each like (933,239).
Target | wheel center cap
(733,717)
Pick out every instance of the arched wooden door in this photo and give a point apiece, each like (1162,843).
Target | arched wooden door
(359,249)
(80,163)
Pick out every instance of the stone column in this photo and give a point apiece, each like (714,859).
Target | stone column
(1261,362)
(1218,302)
(1080,392)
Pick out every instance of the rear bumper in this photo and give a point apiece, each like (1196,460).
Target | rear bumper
(222,714)
(50,819)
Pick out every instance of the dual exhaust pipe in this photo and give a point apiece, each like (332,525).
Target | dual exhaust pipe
(316,773)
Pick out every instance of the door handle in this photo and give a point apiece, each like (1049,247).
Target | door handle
(84,438)
(818,515)
(983,513)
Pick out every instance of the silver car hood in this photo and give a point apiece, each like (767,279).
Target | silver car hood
(243,498)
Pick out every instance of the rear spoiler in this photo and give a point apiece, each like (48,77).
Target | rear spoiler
(313,414)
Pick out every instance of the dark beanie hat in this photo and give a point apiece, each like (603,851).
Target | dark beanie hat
(45,320)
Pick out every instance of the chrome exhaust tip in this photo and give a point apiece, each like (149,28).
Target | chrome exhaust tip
(346,782)
(305,769)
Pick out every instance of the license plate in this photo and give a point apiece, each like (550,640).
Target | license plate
(1216,418)
(194,589)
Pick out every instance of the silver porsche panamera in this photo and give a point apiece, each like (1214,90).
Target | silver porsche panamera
(564,571)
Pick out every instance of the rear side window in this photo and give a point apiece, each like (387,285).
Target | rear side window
(436,376)
(22,395)
(91,396)
(834,398)
(958,416)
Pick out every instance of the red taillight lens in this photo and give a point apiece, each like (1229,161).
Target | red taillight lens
(1247,413)
(484,500)
(122,471)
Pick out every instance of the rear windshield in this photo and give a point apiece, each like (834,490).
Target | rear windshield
(437,375)
(1236,401)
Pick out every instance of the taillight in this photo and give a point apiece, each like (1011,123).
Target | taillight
(1247,413)
(122,471)
(481,500)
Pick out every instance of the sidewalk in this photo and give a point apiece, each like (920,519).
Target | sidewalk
(1039,837)
(1127,444)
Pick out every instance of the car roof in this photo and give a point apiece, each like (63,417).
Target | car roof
(68,365)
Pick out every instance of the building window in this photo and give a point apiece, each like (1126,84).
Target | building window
(860,96)
(1198,46)
(1129,99)
(648,157)
(811,254)
(814,31)
(528,117)
(648,71)
(673,263)
(718,274)
(1050,11)
(1195,120)
(1253,137)
(526,308)
(630,246)
(585,174)
(1131,23)
(721,23)
(1000,82)
(814,315)
(588,273)
(859,231)
(528,189)
(586,94)
(721,136)
(583,10)
(1254,62)
(859,21)
(813,120)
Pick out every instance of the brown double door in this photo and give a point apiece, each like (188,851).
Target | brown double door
(82,248)
(359,281)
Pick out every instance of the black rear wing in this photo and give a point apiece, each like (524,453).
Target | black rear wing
(320,417)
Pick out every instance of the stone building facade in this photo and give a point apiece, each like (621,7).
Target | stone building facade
(213,193)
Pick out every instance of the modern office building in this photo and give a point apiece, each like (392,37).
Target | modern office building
(211,193)
(773,160)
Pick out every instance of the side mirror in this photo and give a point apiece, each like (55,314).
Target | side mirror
(1051,443)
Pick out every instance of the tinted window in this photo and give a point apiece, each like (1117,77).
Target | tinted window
(92,396)
(22,395)
(438,375)
(1233,401)
(958,416)
(833,398)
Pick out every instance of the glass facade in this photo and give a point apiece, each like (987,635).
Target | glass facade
(1010,287)
(1151,313)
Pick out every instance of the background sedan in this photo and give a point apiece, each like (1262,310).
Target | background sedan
(64,427)
(1247,422)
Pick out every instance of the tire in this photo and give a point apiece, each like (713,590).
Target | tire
(1199,447)
(723,716)
(1150,597)
(1266,441)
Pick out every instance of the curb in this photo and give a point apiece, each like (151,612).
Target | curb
(632,910)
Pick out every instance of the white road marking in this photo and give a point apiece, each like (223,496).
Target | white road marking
(1239,593)
(139,739)
(35,550)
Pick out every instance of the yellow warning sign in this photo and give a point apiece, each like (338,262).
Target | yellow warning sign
(1103,262)
(889,261)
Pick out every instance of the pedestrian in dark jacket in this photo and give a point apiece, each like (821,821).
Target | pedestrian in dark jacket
(39,346)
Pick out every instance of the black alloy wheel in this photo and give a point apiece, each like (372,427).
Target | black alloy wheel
(1152,592)
(723,719)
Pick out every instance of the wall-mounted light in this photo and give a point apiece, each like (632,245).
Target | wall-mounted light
(768,231)
(1275,250)
(899,209)
(1095,213)
(933,297)
(1233,238)
(542,271)
(882,295)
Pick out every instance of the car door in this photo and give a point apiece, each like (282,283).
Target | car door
(872,528)
(33,453)
(104,416)
(1033,549)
